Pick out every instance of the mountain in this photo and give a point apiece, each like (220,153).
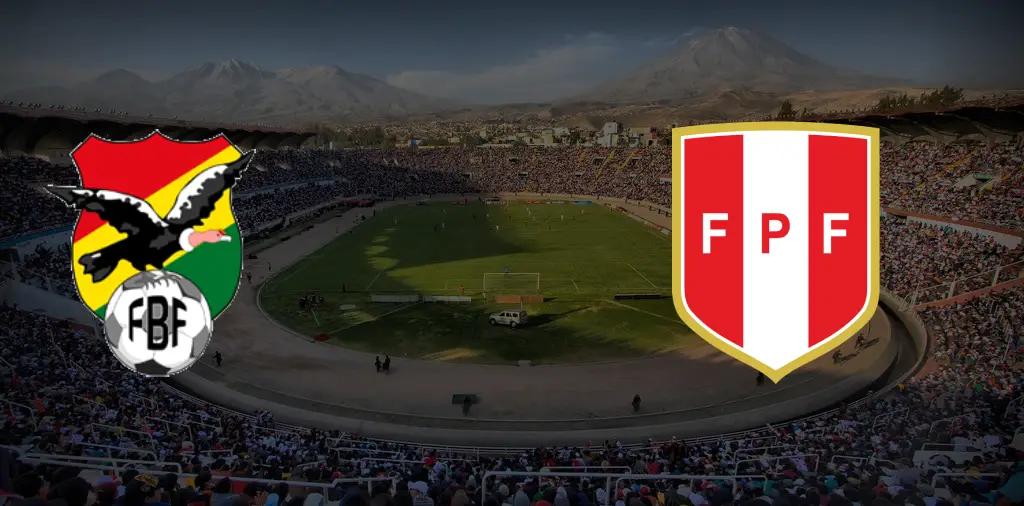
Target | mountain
(730,59)
(242,91)
(123,90)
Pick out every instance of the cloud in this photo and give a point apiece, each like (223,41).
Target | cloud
(578,65)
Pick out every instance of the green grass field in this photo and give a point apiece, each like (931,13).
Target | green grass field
(576,256)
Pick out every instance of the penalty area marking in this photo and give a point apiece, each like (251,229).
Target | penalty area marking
(656,315)
(374,280)
(641,275)
(375,318)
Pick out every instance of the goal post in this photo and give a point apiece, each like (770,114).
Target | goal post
(512,282)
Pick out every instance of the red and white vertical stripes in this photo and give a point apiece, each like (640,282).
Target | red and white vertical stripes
(775,232)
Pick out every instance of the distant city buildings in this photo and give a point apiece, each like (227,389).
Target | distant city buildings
(471,134)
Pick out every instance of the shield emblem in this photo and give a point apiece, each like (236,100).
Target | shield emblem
(152,204)
(775,237)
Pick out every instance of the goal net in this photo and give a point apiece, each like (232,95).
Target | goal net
(513,282)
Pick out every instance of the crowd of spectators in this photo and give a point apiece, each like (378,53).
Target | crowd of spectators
(252,211)
(975,182)
(980,332)
(968,181)
(920,261)
(933,262)
(66,394)
(24,206)
(48,268)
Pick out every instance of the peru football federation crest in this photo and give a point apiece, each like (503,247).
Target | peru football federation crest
(775,237)
(156,252)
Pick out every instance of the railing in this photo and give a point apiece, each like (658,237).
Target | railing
(450,449)
(734,479)
(817,460)
(924,294)
(953,421)
(370,451)
(374,445)
(167,426)
(860,460)
(61,286)
(142,400)
(764,449)
(619,477)
(21,237)
(950,447)
(93,404)
(85,460)
(98,428)
(183,478)
(31,412)
(118,449)
(586,469)
(291,429)
(887,418)
(935,479)
(203,419)
(1015,404)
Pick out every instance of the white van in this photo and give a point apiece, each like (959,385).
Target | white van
(513,318)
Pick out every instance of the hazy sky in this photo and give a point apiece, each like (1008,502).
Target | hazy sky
(494,51)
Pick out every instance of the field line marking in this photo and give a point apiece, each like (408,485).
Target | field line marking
(659,235)
(641,275)
(295,267)
(378,276)
(446,284)
(574,284)
(375,318)
(374,280)
(656,315)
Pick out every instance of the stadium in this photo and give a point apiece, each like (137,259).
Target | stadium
(403,253)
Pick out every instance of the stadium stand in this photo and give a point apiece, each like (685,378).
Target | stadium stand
(69,404)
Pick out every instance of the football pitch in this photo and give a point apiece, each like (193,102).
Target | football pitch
(577,256)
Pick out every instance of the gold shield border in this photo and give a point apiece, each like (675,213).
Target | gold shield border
(776,375)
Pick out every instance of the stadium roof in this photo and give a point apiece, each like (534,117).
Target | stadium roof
(978,120)
(53,133)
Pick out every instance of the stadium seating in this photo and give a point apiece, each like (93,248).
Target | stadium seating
(66,395)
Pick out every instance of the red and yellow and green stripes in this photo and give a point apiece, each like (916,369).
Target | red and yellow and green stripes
(163,168)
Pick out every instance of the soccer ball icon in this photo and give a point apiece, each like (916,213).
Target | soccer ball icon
(158,323)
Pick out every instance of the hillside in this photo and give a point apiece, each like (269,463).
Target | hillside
(730,59)
(240,91)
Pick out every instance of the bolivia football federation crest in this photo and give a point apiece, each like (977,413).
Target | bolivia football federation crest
(775,238)
(156,251)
